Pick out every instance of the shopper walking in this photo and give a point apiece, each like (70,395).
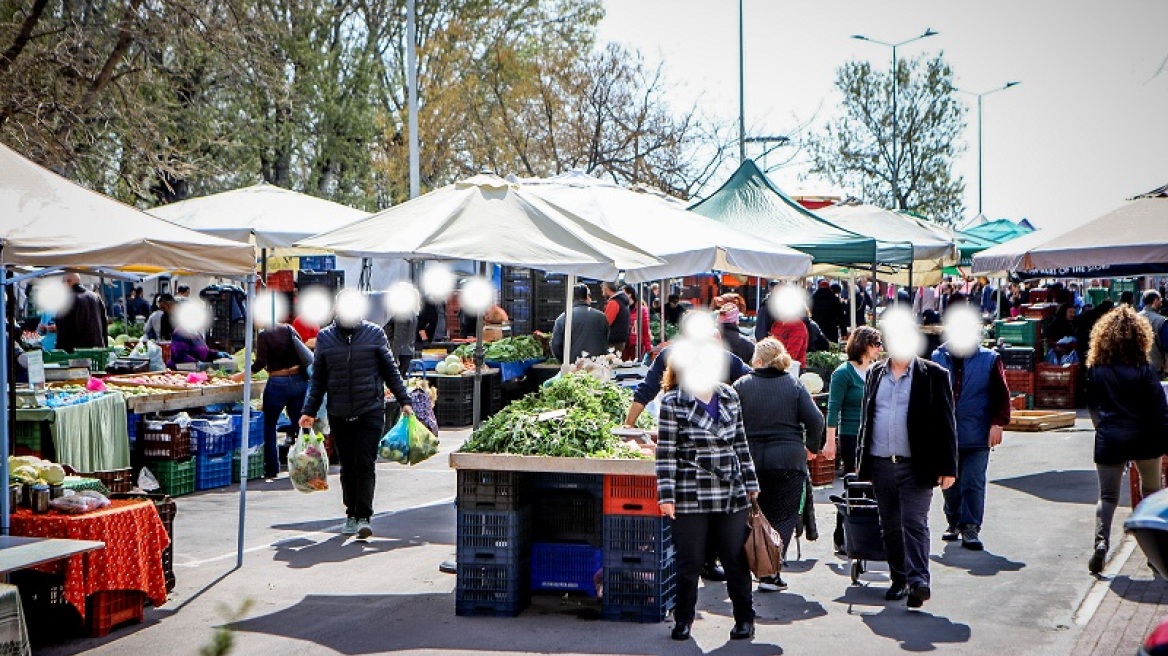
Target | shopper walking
(278,350)
(732,339)
(83,323)
(907,446)
(782,425)
(1129,412)
(705,480)
(827,310)
(353,365)
(844,403)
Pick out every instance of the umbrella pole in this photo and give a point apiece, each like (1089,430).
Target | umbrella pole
(477,404)
(665,292)
(875,293)
(4,409)
(856,303)
(245,429)
(571,291)
(264,266)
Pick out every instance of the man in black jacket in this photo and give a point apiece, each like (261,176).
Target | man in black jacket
(907,446)
(353,365)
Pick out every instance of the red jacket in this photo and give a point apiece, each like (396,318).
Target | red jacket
(793,335)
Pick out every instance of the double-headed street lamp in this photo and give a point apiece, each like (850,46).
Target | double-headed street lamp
(895,162)
(979,97)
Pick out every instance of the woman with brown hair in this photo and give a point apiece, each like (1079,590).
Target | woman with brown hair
(1129,411)
(705,480)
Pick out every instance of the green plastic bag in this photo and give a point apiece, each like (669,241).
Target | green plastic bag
(423,443)
(395,445)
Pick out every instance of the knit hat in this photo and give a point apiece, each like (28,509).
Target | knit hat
(728,314)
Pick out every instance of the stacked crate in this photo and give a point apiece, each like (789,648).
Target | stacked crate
(640,566)
(567,534)
(549,300)
(1024,332)
(493,543)
(166,446)
(515,297)
(455,405)
(255,446)
(1057,386)
(212,440)
(1019,364)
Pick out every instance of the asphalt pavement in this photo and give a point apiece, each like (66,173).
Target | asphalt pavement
(305,589)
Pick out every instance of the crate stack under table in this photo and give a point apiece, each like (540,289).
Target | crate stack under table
(1019,362)
(561,525)
(1057,386)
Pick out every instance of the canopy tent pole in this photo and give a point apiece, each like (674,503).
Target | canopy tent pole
(640,328)
(571,291)
(245,429)
(662,297)
(856,303)
(477,405)
(264,266)
(4,409)
(875,294)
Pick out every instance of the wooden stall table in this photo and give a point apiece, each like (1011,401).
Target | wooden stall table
(134,538)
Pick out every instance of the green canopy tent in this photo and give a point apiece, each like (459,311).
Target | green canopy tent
(978,238)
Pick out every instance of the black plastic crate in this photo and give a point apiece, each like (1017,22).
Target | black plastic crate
(1019,358)
(492,590)
(492,490)
(493,536)
(567,516)
(590,483)
(639,594)
(637,541)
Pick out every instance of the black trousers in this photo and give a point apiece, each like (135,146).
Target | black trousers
(355,440)
(727,532)
(904,520)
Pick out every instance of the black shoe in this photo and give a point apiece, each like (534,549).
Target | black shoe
(896,592)
(918,595)
(840,550)
(970,539)
(951,534)
(771,584)
(448,567)
(742,631)
(713,572)
(680,631)
(1098,559)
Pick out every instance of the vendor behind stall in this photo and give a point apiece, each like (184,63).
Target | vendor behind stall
(187,347)
(159,326)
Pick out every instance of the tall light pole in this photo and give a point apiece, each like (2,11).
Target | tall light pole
(979,96)
(895,131)
(741,88)
(412,84)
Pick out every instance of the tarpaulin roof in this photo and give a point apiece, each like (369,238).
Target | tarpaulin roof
(49,221)
(750,202)
(274,216)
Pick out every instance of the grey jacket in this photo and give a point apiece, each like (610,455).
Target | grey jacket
(589,333)
(353,367)
(781,419)
(402,334)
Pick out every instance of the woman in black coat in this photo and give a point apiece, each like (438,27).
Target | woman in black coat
(1130,413)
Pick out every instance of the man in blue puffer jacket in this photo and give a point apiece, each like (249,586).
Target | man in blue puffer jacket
(353,365)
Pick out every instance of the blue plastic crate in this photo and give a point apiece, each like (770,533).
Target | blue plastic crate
(492,590)
(590,483)
(133,419)
(318,262)
(514,370)
(255,436)
(212,471)
(493,536)
(212,436)
(637,541)
(564,567)
(639,594)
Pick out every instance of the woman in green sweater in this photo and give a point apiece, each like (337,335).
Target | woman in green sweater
(845,396)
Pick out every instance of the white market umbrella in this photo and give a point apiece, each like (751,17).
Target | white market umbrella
(688,243)
(272,216)
(932,252)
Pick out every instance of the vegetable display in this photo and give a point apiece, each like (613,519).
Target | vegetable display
(508,349)
(573,416)
(671,330)
(30,469)
(824,360)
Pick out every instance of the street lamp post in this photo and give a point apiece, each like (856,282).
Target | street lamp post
(741,88)
(979,96)
(895,131)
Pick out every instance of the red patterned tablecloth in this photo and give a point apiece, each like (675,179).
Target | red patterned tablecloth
(134,538)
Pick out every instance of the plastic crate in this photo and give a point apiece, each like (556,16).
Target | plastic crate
(1018,358)
(1017,333)
(255,464)
(821,470)
(1037,296)
(1020,381)
(177,477)
(514,370)
(639,594)
(50,617)
(630,495)
(1058,399)
(565,567)
(255,434)
(567,516)
(590,483)
(492,590)
(109,608)
(1039,310)
(492,490)
(1121,285)
(166,440)
(637,541)
(133,426)
(98,358)
(282,281)
(493,536)
(114,480)
(212,436)
(1059,377)
(1019,401)
(30,435)
(318,262)
(212,471)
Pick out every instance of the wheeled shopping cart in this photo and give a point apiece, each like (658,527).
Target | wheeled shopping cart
(861,521)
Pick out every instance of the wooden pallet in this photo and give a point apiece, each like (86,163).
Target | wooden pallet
(1031,421)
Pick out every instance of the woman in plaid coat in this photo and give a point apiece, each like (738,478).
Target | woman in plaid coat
(705,480)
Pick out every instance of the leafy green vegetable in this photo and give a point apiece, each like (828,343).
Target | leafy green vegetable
(824,360)
(590,410)
(671,330)
(508,349)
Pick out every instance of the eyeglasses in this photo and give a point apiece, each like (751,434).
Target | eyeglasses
(878,344)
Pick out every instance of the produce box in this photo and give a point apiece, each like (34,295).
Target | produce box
(637,541)
(589,483)
(212,436)
(1017,358)
(568,516)
(1053,376)
(1061,399)
(212,471)
(1039,420)
(255,429)
(565,567)
(1017,333)
(493,536)
(98,358)
(822,470)
(639,594)
(115,480)
(177,477)
(255,464)
(166,440)
(630,495)
(492,590)
(492,490)
(1020,381)
(514,370)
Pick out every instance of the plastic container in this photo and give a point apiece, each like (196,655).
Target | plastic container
(1020,381)
(212,471)
(639,594)
(637,541)
(567,516)
(176,477)
(212,436)
(492,590)
(255,436)
(565,567)
(590,483)
(630,495)
(1053,376)
(255,464)
(165,440)
(492,490)
(493,536)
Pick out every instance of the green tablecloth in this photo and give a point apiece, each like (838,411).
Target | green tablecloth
(77,484)
(90,436)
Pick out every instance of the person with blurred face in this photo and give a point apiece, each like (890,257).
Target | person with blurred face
(83,323)
(982,407)
(907,447)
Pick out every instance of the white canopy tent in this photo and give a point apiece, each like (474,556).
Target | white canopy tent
(688,243)
(931,251)
(52,222)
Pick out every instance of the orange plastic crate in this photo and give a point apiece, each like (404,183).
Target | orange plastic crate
(631,495)
(109,608)
(822,470)
(1020,381)
(1053,376)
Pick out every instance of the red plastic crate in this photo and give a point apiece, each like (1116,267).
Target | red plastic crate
(1039,310)
(631,495)
(1020,381)
(1058,377)
(1037,296)
(284,281)
(115,480)
(109,608)
(1058,399)
(165,440)
(822,470)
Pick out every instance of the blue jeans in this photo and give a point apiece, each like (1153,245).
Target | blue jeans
(282,392)
(904,520)
(965,500)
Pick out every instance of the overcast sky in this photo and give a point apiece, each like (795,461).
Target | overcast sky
(1086,129)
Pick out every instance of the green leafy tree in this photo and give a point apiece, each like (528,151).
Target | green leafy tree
(910,167)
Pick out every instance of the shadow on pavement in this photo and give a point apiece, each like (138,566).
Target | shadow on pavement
(800,566)
(1067,486)
(391,531)
(1142,591)
(786,608)
(977,563)
(916,631)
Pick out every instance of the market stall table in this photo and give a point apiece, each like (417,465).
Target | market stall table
(134,538)
(89,436)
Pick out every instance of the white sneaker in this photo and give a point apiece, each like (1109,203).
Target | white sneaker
(364,530)
(350,526)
